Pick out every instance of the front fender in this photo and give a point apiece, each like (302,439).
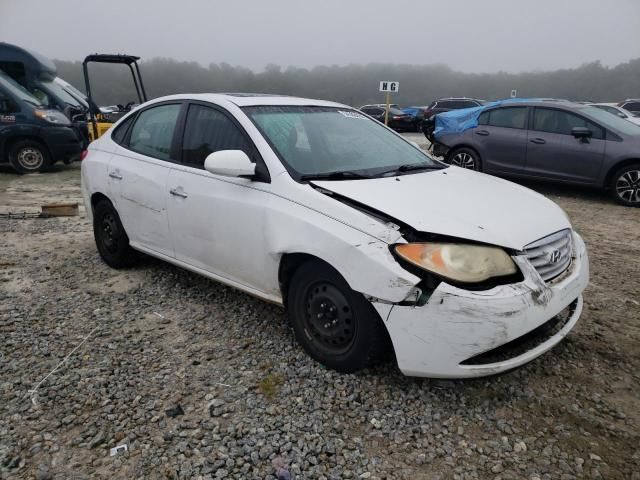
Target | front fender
(364,261)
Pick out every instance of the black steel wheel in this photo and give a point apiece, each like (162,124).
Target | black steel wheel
(328,318)
(625,185)
(335,325)
(110,237)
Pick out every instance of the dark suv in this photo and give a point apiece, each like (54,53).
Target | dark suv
(445,105)
(552,140)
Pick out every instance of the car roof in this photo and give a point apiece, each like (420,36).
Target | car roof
(252,99)
(458,98)
(538,102)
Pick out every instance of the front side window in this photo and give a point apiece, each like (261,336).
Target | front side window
(327,140)
(152,132)
(562,122)
(208,130)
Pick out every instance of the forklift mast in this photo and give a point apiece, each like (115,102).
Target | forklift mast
(129,60)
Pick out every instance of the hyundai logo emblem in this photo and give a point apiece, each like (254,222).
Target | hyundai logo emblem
(554,257)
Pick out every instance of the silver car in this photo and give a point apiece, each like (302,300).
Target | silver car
(552,140)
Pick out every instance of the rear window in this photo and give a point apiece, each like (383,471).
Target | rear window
(467,104)
(120,132)
(509,117)
(633,106)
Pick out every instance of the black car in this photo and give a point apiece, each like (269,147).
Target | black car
(32,137)
(398,120)
(445,105)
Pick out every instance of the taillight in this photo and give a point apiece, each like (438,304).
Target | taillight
(84,154)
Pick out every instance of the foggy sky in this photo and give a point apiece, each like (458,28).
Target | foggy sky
(468,35)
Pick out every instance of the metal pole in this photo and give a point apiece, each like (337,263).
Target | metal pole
(92,114)
(386,112)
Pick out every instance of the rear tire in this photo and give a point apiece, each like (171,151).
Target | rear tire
(625,185)
(335,325)
(465,158)
(29,156)
(110,237)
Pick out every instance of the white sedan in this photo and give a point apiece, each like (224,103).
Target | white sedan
(617,111)
(370,244)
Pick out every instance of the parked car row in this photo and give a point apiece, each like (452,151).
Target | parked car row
(548,140)
(418,118)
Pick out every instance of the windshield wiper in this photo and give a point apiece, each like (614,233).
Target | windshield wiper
(410,167)
(339,175)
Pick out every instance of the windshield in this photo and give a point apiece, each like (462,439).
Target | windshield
(612,121)
(17,90)
(54,89)
(73,91)
(323,140)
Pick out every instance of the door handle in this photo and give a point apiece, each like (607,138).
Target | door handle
(484,133)
(539,141)
(178,193)
(115,175)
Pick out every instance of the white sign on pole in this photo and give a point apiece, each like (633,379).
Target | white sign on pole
(514,93)
(389,86)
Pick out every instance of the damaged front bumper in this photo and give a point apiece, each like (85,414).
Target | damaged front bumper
(460,333)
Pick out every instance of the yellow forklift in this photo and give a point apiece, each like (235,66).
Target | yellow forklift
(101,122)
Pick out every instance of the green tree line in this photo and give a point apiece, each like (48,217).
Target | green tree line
(358,84)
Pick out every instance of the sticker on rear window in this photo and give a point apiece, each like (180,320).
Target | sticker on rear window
(349,114)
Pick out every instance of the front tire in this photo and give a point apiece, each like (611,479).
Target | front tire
(464,158)
(625,185)
(335,325)
(29,156)
(110,237)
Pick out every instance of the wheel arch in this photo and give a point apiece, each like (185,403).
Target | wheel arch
(463,145)
(97,197)
(289,263)
(615,167)
(13,139)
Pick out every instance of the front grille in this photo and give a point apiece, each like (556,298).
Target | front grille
(551,255)
(526,342)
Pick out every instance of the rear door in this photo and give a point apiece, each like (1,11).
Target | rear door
(138,172)
(501,139)
(553,153)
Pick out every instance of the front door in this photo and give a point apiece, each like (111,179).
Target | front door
(553,153)
(217,222)
(138,173)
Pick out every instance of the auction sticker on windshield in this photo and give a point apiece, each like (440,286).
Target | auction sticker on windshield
(349,114)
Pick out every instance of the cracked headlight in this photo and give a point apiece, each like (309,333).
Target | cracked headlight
(459,262)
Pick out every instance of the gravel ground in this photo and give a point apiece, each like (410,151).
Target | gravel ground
(202,381)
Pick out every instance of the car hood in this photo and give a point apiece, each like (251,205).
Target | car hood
(459,203)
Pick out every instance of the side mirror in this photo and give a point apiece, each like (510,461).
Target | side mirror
(230,163)
(582,133)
